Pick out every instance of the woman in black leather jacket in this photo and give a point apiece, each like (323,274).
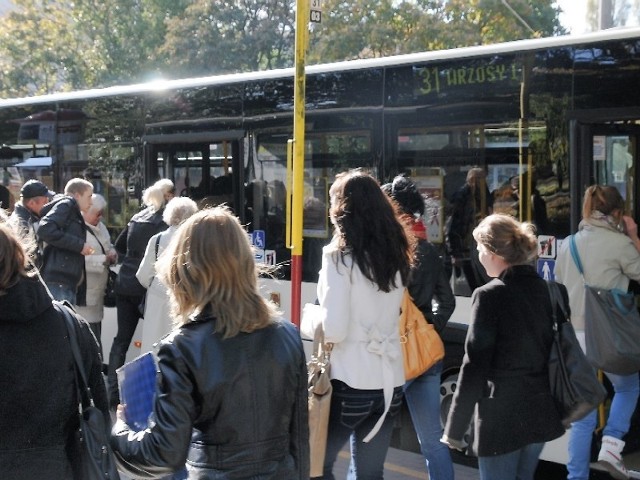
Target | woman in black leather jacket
(231,402)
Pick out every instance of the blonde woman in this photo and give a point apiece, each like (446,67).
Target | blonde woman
(233,401)
(504,376)
(131,245)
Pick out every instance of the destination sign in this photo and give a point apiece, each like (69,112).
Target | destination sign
(437,79)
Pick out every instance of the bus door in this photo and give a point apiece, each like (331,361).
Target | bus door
(605,154)
(210,172)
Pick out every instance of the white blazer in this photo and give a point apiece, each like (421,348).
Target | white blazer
(362,323)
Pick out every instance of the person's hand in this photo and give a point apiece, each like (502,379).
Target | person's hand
(87,250)
(459,445)
(631,227)
(112,257)
(120,412)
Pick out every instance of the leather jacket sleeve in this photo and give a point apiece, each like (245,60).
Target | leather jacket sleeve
(428,282)
(299,435)
(162,448)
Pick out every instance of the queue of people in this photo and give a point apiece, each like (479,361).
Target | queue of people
(223,348)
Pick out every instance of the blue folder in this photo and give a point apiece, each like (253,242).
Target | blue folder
(137,383)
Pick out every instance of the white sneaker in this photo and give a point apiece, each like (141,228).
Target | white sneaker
(610,457)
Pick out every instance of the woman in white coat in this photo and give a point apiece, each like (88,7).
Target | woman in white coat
(360,288)
(157,320)
(96,265)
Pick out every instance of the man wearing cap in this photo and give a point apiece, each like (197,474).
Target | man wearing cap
(26,214)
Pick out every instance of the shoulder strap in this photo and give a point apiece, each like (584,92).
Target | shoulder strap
(575,254)
(96,237)
(158,244)
(556,301)
(71,323)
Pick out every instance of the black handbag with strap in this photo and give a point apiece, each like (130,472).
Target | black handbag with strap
(97,461)
(573,381)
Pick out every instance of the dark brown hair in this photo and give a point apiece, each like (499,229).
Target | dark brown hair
(367,228)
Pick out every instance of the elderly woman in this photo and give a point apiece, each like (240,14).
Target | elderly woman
(157,320)
(96,265)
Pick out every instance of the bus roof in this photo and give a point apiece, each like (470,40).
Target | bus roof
(396,60)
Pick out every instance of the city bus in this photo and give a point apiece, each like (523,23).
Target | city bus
(542,118)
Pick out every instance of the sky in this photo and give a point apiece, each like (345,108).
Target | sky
(574,15)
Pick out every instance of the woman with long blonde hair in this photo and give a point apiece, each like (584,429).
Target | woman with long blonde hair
(232,402)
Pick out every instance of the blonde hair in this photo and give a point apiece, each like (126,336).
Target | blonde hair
(165,185)
(508,238)
(210,263)
(603,198)
(153,197)
(77,185)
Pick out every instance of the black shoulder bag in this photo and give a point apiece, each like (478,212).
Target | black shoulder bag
(97,460)
(574,384)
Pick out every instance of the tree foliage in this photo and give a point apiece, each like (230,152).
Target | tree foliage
(55,45)
(370,28)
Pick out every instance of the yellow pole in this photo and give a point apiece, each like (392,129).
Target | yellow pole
(297,200)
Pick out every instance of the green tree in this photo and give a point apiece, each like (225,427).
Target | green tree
(367,28)
(31,60)
(230,36)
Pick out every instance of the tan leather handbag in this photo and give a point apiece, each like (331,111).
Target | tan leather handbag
(319,387)
(422,347)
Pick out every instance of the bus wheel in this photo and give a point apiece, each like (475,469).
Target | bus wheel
(448,386)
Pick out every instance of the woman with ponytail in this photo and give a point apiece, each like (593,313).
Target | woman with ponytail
(504,372)
(608,245)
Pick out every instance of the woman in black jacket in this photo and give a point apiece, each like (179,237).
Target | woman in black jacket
(131,245)
(39,421)
(504,372)
(232,399)
(428,281)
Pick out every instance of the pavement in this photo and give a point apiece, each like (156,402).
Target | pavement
(403,465)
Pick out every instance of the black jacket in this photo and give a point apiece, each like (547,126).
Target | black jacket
(504,370)
(63,230)
(231,408)
(25,220)
(37,391)
(429,281)
(131,245)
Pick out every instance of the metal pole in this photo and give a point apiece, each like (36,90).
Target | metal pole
(297,199)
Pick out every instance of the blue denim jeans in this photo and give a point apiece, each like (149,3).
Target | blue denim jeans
(423,399)
(626,389)
(62,292)
(518,465)
(353,415)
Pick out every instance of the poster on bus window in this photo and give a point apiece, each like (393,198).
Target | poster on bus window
(316,214)
(431,187)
